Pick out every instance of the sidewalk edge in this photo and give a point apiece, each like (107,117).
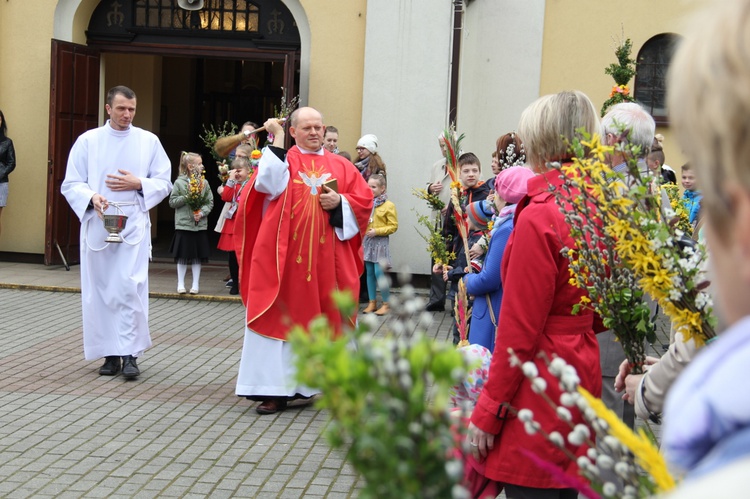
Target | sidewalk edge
(154,294)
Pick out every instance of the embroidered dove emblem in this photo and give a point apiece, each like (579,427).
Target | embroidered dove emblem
(314,181)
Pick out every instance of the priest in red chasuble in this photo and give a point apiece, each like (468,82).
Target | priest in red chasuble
(298,237)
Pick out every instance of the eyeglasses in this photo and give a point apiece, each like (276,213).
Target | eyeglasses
(361,148)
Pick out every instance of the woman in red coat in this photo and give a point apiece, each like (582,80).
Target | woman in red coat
(536,315)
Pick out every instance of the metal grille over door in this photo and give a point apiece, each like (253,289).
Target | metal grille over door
(216,16)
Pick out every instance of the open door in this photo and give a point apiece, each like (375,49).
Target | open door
(74,108)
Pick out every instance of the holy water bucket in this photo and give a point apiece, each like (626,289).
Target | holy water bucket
(115,224)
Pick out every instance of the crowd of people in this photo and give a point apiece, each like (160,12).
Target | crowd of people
(307,221)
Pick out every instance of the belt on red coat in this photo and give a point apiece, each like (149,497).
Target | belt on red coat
(568,324)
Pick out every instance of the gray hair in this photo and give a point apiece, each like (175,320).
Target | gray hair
(631,119)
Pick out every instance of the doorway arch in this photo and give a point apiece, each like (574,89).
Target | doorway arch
(72,18)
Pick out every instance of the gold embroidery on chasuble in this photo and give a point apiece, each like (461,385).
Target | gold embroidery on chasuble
(309,220)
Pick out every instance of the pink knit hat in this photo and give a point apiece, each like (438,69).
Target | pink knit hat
(510,184)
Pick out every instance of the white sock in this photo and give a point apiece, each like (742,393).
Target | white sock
(181,271)
(196,275)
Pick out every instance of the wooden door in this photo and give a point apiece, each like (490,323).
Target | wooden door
(291,82)
(74,108)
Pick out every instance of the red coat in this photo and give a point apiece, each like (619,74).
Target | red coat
(535,317)
(226,239)
(290,257)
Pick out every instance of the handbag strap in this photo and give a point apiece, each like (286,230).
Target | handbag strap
(492,312)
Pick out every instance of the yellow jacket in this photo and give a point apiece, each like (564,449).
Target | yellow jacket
(384,219)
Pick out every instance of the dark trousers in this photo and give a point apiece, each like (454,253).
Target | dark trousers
(234,271)
(520,492)
(437,288)
(363,296)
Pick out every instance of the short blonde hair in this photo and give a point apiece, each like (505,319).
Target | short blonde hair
(709,103)
(551,122)
(247,149)
(241,162)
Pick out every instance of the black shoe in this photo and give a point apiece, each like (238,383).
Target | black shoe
(435,307)
(234,291)
(111,366)
(129,367)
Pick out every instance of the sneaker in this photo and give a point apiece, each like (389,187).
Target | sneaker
(229,283)
(130,367)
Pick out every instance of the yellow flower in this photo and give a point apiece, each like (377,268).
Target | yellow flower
(256,154)
(647,456)
(622,203)
(597,149)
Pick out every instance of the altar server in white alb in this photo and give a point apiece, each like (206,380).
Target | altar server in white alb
(116,169)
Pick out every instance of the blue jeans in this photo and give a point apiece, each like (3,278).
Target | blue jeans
(374,274)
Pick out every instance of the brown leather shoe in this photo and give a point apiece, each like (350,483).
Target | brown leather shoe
(271,406)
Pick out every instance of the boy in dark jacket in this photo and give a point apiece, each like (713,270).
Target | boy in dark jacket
(472,189)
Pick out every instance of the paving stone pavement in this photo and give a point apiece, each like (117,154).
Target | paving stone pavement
(177,431)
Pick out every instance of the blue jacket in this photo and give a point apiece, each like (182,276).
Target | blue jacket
(692,200)
(488,283)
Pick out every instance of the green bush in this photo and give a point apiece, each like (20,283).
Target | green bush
(388,400)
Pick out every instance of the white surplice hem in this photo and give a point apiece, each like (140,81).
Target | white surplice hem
(267,369)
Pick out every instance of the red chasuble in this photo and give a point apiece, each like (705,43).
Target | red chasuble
(290,257)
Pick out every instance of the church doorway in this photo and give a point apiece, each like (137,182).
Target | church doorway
(191,70)
(198,93)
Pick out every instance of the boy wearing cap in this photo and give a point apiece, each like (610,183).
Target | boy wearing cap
(479,214)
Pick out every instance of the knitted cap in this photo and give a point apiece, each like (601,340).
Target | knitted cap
(479,214)
(369,142)
(511,183)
